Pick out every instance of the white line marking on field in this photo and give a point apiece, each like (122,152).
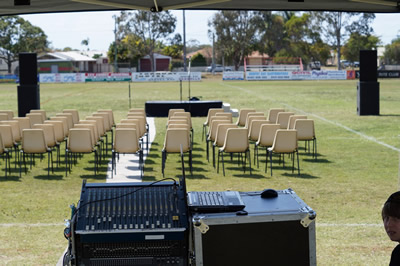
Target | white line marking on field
(327,121)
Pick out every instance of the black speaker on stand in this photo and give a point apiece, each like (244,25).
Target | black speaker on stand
(368,87)
(28,89)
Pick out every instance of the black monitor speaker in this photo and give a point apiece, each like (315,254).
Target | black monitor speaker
(28,91)
(28,69)
(368,65)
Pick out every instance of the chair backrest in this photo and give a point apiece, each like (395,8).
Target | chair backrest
(267,134)
(49,134)
(141,110)
(243,116)
(183,126)
(293,118)
(58,129)
(80,140)
(140,124)
(216,118)
(221,133)
(9,112)
(254,129)
(225,114)
(184,114)
(70,120)
(250,119)
(24,123)
(172,111)
(175,138)
(283,119)
(2,148)
(33,141)
(305,129)
(236,140)
(126,140)
(92,129)
(7,136)
(14,128)
(128,125)
(285,141)
(107,122)
(99,122)
(251,114)
(64,121)
(172,121)
(95,128)
(213,128)
(39,111)
(211,112)
(273,114)
(35,118)
(4,116)
(74,113)
(110,115)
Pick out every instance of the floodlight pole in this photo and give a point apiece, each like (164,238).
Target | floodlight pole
(184,41)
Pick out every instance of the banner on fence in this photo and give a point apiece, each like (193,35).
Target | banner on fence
(165,76)
(109,77)
(233,75)
(62,78)
(8,78)
(297,75)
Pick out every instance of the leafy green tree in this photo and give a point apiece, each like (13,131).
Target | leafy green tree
(175,49)
(236,34)
(337,26)
(357,42)
(147,28)
(392,52)
(272,31)
(198,60)
(18,35)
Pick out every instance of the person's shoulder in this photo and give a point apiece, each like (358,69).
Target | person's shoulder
(395,259)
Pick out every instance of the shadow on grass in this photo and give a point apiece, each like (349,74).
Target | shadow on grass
(248,175)
(198,162)
(49,177)
(295,175)
(153,154)
(194,176)
(12,177)
(198,149)
(149,161)
(148,178)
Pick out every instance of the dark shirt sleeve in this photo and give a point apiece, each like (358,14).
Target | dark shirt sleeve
(395,259)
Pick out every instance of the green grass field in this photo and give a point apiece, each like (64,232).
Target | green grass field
(356,170)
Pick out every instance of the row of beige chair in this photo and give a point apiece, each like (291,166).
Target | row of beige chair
(178,136)
(128,139)
(4,152)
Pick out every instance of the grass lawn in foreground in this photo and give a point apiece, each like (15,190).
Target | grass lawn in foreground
(356,170)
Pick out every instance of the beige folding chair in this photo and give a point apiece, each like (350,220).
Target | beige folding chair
(254,131)
(252,114)
(283,119)
(215,118)
(34,142)
(100,129)
(220,136)
(15,129)
(69,117)
(24,123)
(293,118)
(110,114)
(126,142)
(213,133)
(107,126)
(172,111)
(228,116)
(39,111)
(79,141)
(91,125)
(176,140)
(35,118)
(8,140)
(50,138)
(58,134)
(210,113)
(5,152)
(285,142)
(306,132)
(74,113)
(143,128)
(266,139)
(9,113)
(273,114)
(236,141)
(189,117)
(64,121)
(4,117)
(243,116)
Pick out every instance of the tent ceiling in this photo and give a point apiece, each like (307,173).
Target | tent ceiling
(7,7)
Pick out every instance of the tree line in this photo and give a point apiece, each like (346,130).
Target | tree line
(309,35)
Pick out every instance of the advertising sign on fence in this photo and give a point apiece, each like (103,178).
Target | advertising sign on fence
(233,75)
(297,75)
(165,76)
(96,77)
(8,78)
(62,78)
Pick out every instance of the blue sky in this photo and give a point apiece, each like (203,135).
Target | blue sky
(69,29)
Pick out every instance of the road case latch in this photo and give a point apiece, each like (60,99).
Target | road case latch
(309,217)
(200,225)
